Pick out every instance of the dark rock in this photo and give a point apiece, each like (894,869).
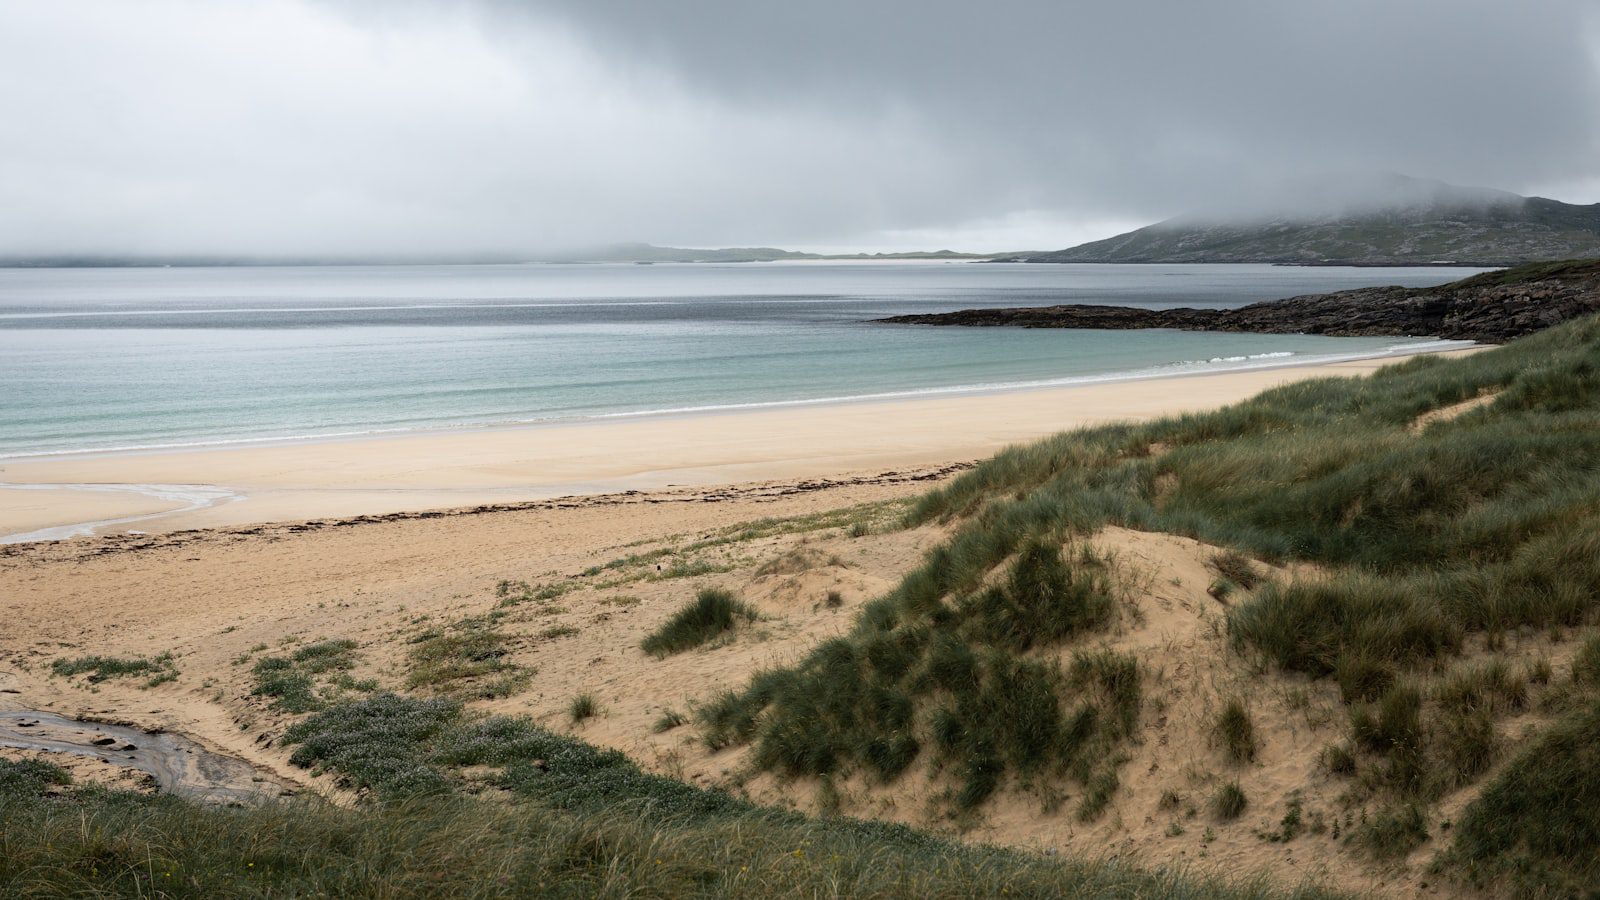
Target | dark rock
(1491,308)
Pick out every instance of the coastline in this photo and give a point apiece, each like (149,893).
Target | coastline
(381,474)
(1215,366)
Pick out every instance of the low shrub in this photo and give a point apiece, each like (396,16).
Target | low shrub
(377,745)
(290,688)
(325,656)
(291,683)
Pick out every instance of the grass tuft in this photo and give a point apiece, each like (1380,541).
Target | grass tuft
(713,613)
(669,720)
(1236,732)
(1229,802)
(1338,760)
(1393,832)
(584,706)
(1236,568)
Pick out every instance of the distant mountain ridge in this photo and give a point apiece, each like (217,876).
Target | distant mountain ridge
(1392,221)
(618,253)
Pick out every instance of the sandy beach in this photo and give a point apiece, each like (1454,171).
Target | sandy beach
(386,474)
(793,510)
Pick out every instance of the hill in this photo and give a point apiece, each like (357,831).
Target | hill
(1493,308)
(1393,221)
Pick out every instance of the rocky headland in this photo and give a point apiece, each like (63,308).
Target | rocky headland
(1491,308)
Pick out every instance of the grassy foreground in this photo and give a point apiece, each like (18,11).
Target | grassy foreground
(558,818)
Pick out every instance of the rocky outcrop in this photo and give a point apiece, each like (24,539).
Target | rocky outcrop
(1491,308)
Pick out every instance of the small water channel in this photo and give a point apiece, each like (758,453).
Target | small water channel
(178,765)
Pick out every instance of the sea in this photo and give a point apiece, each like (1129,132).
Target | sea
(132,359)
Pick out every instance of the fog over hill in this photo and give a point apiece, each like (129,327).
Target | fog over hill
(1375,221)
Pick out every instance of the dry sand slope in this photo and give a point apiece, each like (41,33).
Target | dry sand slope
(603,572)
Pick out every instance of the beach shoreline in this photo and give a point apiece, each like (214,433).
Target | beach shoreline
(379,474)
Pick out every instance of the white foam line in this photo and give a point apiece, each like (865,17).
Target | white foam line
(1274,360)
(196,496)
(1279,359)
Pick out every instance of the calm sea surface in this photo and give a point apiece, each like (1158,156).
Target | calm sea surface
(96,359)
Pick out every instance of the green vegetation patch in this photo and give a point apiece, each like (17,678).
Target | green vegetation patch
(1393,832)
(466,659)
(24,778)
(1483,524)
(582,707)
(291,681)
(675,561)
(514,593)
(924,671)
(1539,271)
(155,670)
(1536,825)
(712,614)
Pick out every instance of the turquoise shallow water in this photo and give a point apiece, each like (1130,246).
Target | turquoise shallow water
(98,359)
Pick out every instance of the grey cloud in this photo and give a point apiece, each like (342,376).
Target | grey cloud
(356,126)
(1145,104)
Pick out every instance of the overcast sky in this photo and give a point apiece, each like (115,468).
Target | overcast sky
(405,126)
